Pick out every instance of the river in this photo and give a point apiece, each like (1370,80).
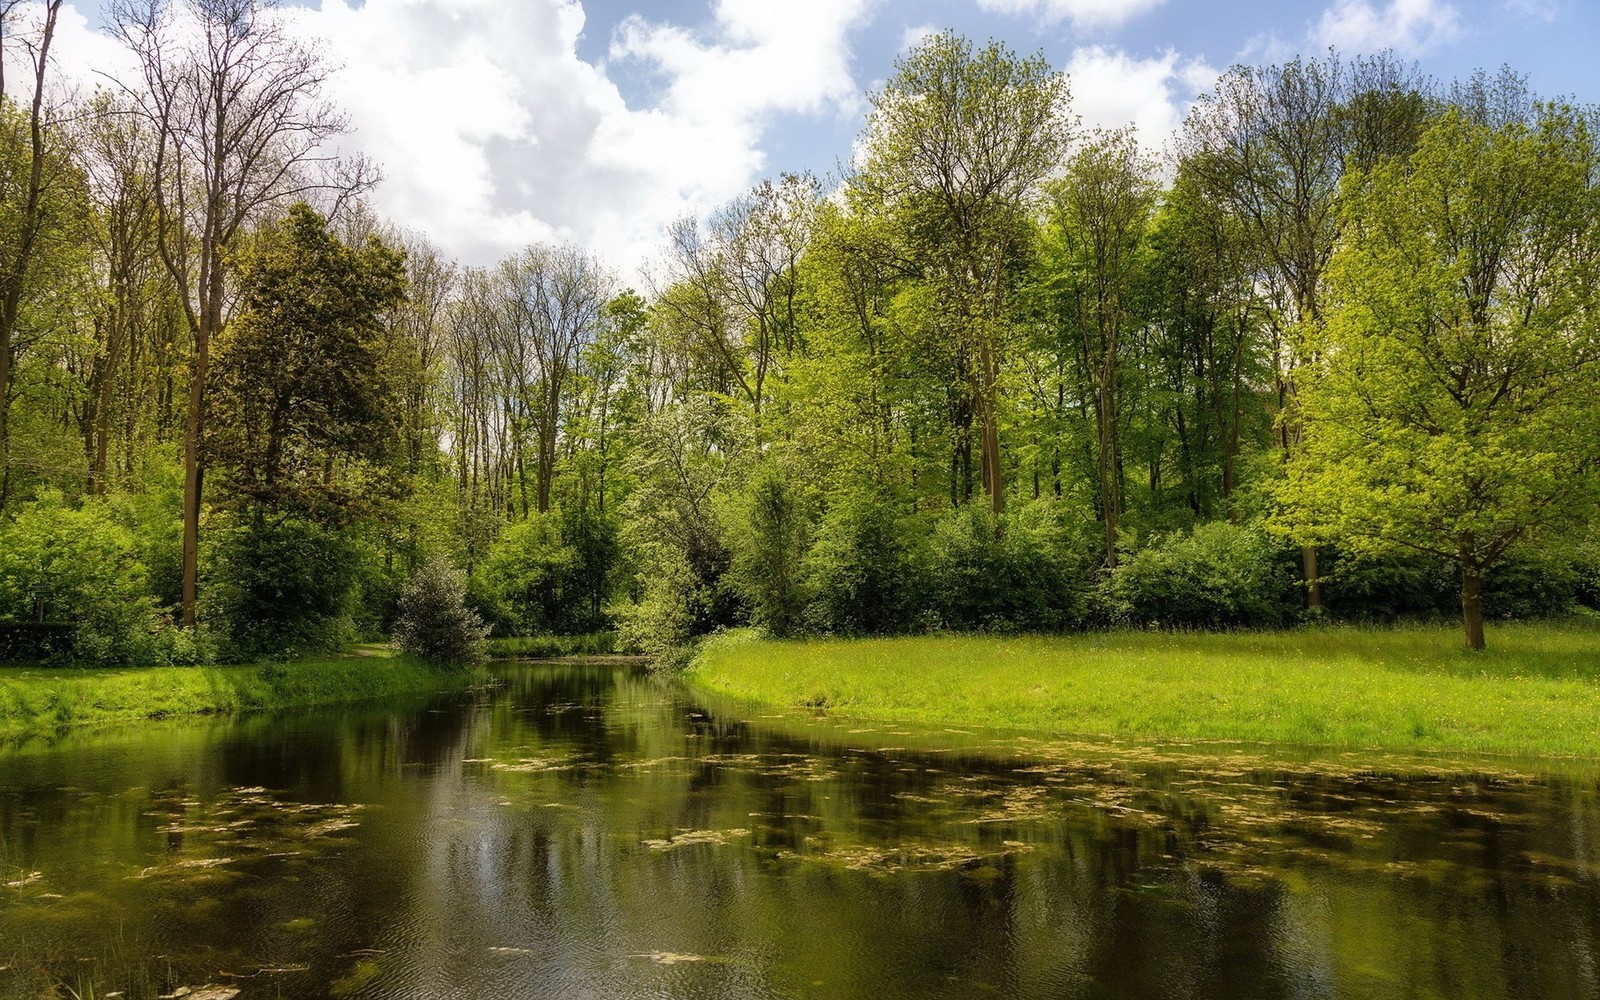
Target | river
(590,831)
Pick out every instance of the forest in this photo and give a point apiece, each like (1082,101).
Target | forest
(1330,354)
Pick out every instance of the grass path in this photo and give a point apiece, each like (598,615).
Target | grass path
(1536,691)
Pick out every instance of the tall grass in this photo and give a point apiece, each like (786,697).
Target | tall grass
(1535,691)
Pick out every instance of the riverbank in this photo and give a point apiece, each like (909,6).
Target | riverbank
(1535,692)
(35,699)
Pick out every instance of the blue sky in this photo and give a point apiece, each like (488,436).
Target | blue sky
(499,122)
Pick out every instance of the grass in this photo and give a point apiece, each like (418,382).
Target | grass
(36,699)
(546,647)
(1535,692)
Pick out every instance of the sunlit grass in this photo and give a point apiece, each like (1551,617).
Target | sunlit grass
(34,699)
(1535,691)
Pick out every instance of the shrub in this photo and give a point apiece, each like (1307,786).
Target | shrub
(527,576)
(276,586)
(1219,576)
(863,571)
(1389,588)
(99,587)
(1534,583)
(434,623)
(668,614)
(1031,574)
(768,539)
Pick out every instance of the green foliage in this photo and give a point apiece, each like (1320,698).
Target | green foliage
(97,584)
(434,623)
(1218,576)
(1390,588)
(299,385)
(1450,407)
(768,536)
(675,606)
(1029,573)
(545,647)
(528,576)
(865,571)
(281,586)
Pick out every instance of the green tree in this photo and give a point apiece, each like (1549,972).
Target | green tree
(1101,216)
(304,410)
(957,143)
(1452,408)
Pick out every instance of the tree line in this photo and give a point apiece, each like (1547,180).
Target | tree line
(1331,356)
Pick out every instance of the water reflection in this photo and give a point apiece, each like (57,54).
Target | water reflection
(590,832)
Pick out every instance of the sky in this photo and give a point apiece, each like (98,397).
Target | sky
(502,122)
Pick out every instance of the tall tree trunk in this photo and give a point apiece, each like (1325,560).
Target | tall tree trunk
(989,416)
(193,428)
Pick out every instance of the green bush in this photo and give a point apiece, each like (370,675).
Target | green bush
(434,623)
(1219,576)
(1536,583)
(528,576)
(1028,573)
(1389,589)
(670,611)
(280,586)
(767,533)
(99,587)
(863,572)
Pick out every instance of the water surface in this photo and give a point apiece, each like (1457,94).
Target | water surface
(588,831)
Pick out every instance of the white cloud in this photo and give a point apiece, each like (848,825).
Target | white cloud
(916,35)
(1082,13)
(1111,89)
(1410,27)
(493,132)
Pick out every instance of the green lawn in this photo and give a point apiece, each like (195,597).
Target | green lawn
(1536,691)
(34,699)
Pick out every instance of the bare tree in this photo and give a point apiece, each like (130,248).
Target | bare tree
(240,129)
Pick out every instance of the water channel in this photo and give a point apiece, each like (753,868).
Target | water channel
(591,831)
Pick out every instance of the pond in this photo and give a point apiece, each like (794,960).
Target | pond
(591,831)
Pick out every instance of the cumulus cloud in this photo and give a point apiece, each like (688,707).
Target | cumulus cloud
(1082,13)
(1410,27)
(1111,89)
(492,131)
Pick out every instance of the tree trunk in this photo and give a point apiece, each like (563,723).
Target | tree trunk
(1472,605)
(989,420)
(193,428)
(1308,562)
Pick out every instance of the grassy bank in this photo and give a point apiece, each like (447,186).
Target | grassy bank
(34,699)
(1536,691)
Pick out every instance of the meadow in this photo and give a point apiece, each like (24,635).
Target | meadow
(1536,691)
